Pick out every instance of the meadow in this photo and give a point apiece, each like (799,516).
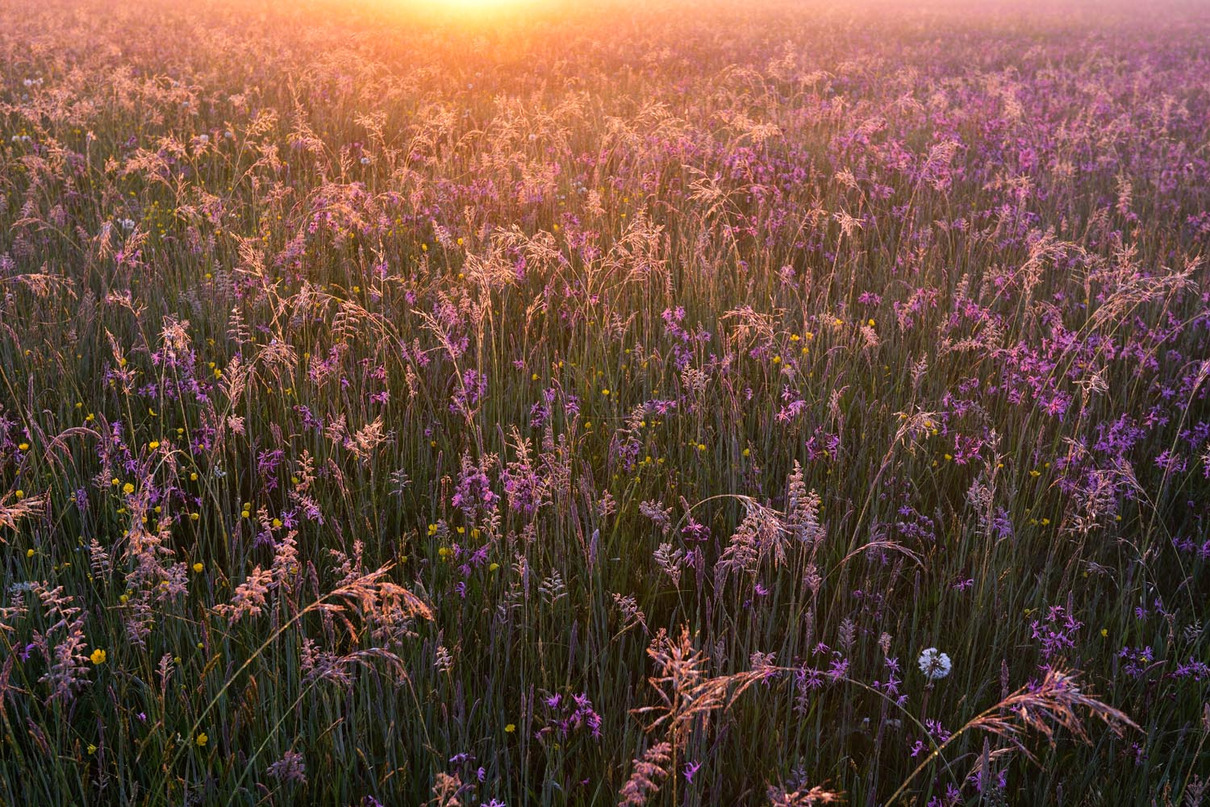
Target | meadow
(666,403)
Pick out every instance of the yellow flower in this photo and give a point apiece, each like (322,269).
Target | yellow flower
(128,488)
(605,392)
(153,445)
(24,447)
(92,749)
(202,739)
(510,728)
(20,494)
(98,656)
(29,553)
(277,523)
(197,567)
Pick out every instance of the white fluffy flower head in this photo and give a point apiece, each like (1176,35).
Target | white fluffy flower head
(935,664)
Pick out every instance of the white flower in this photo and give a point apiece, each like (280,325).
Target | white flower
(935,664)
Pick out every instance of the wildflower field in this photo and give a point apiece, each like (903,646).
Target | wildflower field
(648,403)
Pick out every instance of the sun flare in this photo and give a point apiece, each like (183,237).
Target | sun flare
(476,11)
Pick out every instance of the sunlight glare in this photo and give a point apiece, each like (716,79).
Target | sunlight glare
(476,10)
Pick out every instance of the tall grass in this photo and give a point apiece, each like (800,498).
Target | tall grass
(603,405)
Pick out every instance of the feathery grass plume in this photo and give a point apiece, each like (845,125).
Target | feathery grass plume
(687,698)
(647,775)
(61,643)
(250,597)
(362,444)
(760,534)
(1044,706)
(291,768)
(13,509)
(781,797)
(630,611)
(802,510)
(446,790)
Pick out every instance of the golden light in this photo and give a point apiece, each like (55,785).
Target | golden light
(476,11)
(477,5)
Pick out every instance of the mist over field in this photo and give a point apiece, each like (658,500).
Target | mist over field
(497,402)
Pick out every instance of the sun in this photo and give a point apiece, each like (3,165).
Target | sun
(478,5)
(480,10)
(478,16)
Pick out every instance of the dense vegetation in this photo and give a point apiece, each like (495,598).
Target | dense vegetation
(666,404)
